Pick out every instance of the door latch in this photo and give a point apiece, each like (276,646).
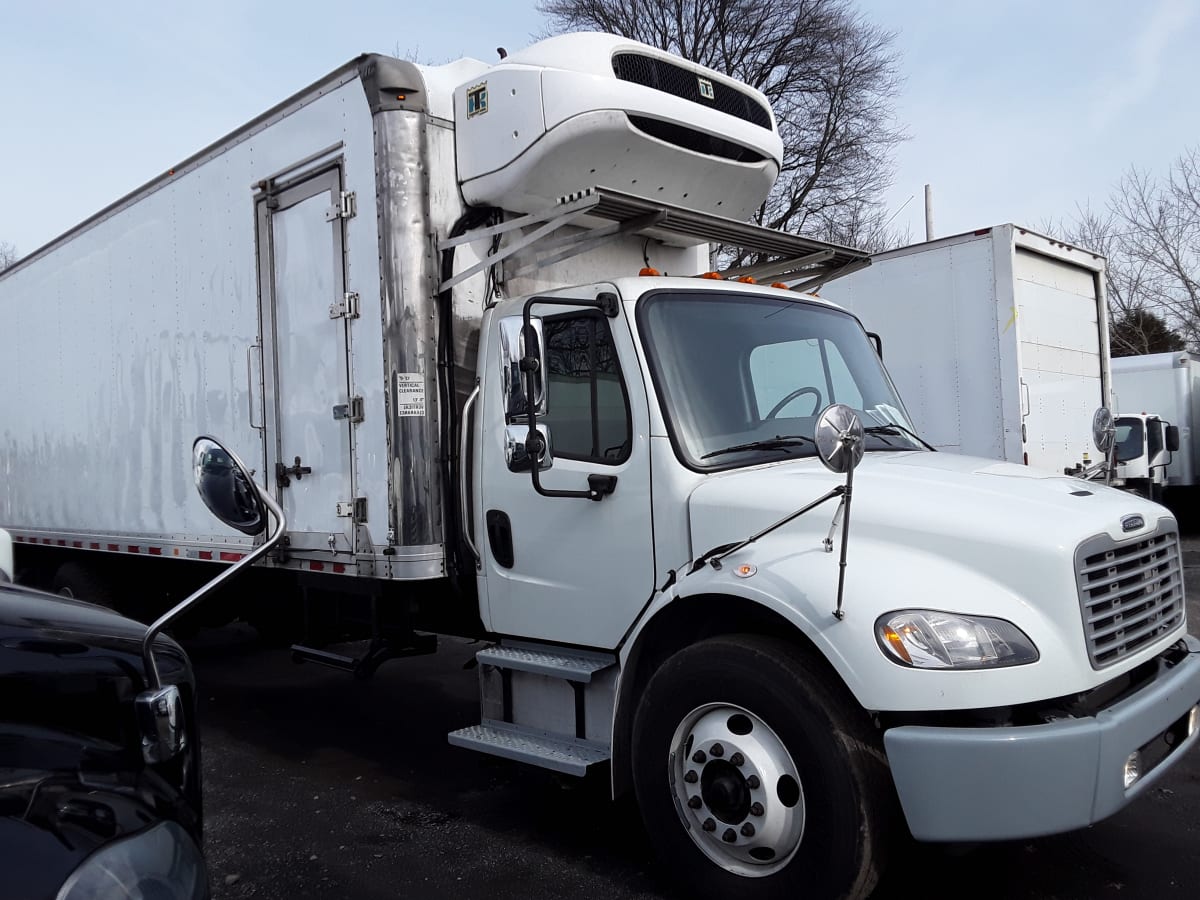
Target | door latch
(355,510)
(282,472)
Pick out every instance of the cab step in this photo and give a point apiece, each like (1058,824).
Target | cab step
(543,704)
(571,757)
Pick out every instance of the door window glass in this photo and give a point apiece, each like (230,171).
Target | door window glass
(587,409)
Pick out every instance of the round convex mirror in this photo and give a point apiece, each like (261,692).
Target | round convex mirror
(839,437)
(1104,429)
(226,487)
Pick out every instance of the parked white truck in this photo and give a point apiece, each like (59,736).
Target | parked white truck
(409,297)
(1154,394)
(997,339)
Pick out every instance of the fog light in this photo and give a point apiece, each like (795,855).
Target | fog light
(1193,720)
(1133,769)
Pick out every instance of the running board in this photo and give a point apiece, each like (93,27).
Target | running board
(513,742)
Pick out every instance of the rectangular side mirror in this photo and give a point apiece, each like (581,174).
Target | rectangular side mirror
(512,350)
(1173,438)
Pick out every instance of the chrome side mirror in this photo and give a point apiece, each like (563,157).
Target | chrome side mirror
(514,346)
(1104,430)
(840,438)
(161,721)
(516,451)
(226,487)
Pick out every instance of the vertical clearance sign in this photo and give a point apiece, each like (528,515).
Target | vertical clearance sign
(410,394)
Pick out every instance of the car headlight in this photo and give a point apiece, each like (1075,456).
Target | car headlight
(161,863)
(928,639)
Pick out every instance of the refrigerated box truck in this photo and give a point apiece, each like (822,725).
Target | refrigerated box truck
(1150,393)
(446,315)
(997,340)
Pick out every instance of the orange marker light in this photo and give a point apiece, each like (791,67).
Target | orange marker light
(780,285)
(716,276)
(746,279)
(896,644)
(649,270)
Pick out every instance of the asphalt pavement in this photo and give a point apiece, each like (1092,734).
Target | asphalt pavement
(320,786)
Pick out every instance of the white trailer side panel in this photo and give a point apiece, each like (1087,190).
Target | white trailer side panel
(129,336)
(936,312)
(1057,320)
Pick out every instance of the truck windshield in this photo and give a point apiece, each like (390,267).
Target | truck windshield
(742,377)
(1130,439)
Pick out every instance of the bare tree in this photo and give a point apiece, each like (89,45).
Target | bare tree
(830,75)
(8,255)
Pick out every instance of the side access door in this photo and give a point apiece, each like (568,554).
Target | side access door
(564,568)
(306,349)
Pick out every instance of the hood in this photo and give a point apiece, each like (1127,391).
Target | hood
(921,497)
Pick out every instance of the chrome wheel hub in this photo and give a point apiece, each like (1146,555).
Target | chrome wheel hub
(737,790)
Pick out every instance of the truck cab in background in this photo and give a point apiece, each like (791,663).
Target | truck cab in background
(1144,448)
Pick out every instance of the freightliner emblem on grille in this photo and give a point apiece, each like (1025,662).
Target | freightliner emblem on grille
(1132,523)
(706,89)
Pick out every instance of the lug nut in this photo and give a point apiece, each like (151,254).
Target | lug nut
(717,750)
(709,825)
(753,783)
(695,802)
(756,809)
(699,758)
(691,777)
(747,830)
(729,836)
(738,760)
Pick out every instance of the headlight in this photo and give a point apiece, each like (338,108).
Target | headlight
(927,639)
(161,863)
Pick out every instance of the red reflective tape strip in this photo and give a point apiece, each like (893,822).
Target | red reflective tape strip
(317,566)
(231,557)
(339,568)
(156,551)
(114,547)
(134,548)
(62,543)
(205,554)
(93,546)
(78,544)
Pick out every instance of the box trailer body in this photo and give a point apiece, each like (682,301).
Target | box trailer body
(997,340)
(450,318)
(1167,386)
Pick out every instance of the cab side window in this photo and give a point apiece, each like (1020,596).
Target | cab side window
(587,407)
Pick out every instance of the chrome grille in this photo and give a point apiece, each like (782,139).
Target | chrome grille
(1131,593)
(683,82)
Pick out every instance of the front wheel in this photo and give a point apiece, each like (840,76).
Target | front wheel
(758,776)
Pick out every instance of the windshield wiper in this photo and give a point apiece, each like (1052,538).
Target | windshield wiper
(779,442)
(893,429)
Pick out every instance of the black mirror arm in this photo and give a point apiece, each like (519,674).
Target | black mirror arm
(599,486)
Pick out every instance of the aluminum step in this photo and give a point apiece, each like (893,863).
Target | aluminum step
(568,666)
(513,742)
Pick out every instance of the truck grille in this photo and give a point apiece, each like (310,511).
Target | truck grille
(672,79)
(1130,593)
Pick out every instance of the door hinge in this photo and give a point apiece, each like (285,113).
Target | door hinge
(355,509)
(346,308)
(345,208)
(352,410)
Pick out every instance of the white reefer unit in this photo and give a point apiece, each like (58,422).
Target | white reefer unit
(996,339)
(1166,385)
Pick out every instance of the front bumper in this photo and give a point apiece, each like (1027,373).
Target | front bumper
(981,784)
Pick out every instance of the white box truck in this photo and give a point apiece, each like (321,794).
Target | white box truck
(425,306)
(997,340)
(1153,393)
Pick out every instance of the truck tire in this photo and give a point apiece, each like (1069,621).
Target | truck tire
(81,582)
(758,776)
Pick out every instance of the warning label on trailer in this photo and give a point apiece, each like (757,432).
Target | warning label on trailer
(410,394)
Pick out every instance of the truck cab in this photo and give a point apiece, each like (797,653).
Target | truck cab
(1144,447)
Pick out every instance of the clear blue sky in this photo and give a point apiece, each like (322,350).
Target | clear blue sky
(1018,109)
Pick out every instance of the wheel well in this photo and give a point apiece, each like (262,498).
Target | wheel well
(681,623)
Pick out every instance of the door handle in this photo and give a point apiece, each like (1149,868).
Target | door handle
(251,384)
